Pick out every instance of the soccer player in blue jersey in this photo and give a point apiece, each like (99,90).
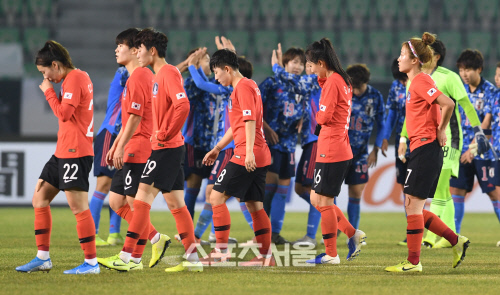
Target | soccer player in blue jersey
(283,112)
(480,91)
(367,109)
(198,132)
(104,173)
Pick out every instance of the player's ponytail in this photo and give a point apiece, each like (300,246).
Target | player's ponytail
(53,51)
(323,50)
(420,47)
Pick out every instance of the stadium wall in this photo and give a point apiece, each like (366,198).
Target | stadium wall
(22,163)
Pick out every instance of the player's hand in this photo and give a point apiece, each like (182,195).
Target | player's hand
(110,155)
(299,125)
(280,55)
(210,157)
(385,147)
(274,58)
(372,158)
(250,162)
(466,157)
(224,43)
(45,85)
(271,136)
(402,151)
(118,158)
(441,136)
(191,60)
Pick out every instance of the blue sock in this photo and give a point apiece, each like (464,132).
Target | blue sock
(190,195)
(278,208)
(353,211)
(248,216)
(203,221)
(458,201)
(115,222)
(213,229)
(96,207)
(313,217)
(268,196)
(496,208)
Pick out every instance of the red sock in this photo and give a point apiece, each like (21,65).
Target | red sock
(343,224)
(329,229)
(137,226)
(185,228)
(262,229)
(43,227)
(222,224)
(436,225)
(127,214)
(414,234)
(86,233)
(141,244)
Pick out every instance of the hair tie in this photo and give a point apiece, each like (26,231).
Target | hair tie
(415,53)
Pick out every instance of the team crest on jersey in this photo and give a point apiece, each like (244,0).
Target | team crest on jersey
(155,89)
(479,104)
(124,92)
(431,91)
(68,95)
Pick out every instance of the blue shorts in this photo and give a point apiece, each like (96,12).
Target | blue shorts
(102,143)
(282,164)
(482,169)
(193,162)
(219,165)
(358,171)
(401,170)
(305,169)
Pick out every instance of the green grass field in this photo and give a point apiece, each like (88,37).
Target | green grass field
(480,272)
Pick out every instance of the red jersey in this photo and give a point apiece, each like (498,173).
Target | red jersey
(334,116)
(75,110)
(170,108)
(137,101)
(245,104)
(422,114)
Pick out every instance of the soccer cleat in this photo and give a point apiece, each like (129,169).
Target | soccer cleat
(198,241)
(498,244)
(212,239)
(84,269)
(306,241)
(443,243)
(115,239)
(186,266)
(159,249)
(100,242)
(427,244)
(36,264)
(259,261)
(135,266)
(323,258)
(355,243)
(405,266)
(114,262)
(459,250)
(216,256)
(403,243)
(277,239)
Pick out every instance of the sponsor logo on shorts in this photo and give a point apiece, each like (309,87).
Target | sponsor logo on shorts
(247,112)
(406,186)
(136,106)
(180,95)
(431,91)
(67,180)
(127,187)
(68,95)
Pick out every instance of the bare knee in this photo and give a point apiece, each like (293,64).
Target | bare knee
(103,184)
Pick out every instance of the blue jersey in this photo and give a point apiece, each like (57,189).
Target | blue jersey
(365,110)
(493,107)
(198,130)
(484,92)
(113,119)
(221,94)
(307,86)
(282,112)
(396,107)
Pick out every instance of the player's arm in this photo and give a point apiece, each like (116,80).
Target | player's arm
(327,104)
(126,134)
(447,106)
(63,111)
(250,141)
(379,118)
(390,119)
(205,85)
(212,155)
(266,89)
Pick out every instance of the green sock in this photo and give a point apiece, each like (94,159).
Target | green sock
(440,205)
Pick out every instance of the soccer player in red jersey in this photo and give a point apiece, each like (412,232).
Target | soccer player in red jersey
(244,177)
(132,149)
(426,127)
(163,170)
(68,169)
(334,154)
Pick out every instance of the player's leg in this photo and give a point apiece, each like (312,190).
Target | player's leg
(400,179)
(272,178)
(192,189)
(459,187)
(205,218)
(96,202)
(194,172)
(495,201)
(286,170)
